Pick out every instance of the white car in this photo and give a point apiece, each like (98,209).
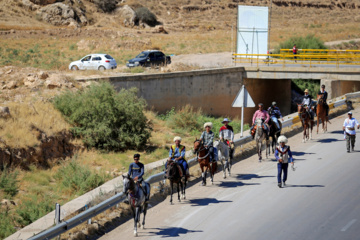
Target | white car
(94,62)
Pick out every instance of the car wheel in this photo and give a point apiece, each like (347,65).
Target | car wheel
(74,68)
(102,68)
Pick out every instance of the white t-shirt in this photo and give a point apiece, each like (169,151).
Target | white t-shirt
(350,123)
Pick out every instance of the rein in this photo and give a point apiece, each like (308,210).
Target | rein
(202,148)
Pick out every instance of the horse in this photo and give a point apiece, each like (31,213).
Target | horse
(136,198)
(260,135)
(274,134)
(173,175)
(306,122)
(223,154)
(203,157)
(321,114)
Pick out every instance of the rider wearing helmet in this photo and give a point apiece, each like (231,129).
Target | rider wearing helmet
(275,114)
(283,155)
(177,154)
(264,115)
(207,137)
(324,96)
(307,103)
(226,133)
(136,171)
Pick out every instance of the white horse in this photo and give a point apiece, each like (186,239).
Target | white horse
(223,155)
(260,135)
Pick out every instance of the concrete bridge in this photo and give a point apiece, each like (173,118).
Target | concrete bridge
(214,90)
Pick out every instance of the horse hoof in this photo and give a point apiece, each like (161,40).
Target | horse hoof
(142,227)
(135,234)
(184,197)
(179,200)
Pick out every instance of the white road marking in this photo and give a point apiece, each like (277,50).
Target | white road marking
(347,226)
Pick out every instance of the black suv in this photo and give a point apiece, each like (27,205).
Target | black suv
(149,58)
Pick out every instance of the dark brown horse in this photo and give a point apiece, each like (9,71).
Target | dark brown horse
(173,174)
(203,157)
(306,122)
(321,114)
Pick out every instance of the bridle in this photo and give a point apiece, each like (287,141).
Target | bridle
(202,148)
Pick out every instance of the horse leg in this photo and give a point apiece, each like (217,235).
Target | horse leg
(183,190)
(211,167)
(172,189)
(136,218)
(317,124)
(178,190)
(203,176)
(145,210)
(223,167)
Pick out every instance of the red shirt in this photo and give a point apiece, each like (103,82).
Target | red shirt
(294,50)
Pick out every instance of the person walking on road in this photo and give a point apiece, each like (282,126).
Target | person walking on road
(349,129)
(284,156)
(295,50)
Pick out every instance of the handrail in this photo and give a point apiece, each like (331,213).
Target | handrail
(116,199)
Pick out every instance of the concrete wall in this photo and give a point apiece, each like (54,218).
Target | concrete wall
(337,88)
(211,90)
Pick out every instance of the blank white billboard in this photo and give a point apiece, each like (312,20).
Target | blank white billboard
(252,30)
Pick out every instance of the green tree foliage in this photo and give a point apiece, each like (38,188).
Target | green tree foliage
(9,182)
(105,119)
(308,42)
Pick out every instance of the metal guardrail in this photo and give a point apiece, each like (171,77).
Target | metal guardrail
(113,201)
(303,59)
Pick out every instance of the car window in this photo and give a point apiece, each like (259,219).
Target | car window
(142,55)
(87,58)
(159,54)
(108,57)
(96,58)
(151,55)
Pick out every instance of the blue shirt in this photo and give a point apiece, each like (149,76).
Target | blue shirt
(136,170)
(177,153)
(290,158)
(274,112)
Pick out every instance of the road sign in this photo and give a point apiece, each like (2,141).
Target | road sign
(243,100)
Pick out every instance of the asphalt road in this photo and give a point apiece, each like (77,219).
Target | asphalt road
(321,201)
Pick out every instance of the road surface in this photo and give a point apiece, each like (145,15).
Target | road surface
(321,201)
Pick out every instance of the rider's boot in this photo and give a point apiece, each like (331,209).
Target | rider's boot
(145,193)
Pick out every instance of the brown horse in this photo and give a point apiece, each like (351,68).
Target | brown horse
(306,122)
(173,174)
(203,157)
(321,114)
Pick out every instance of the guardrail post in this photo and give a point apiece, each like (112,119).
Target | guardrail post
(57,213)
(89,220)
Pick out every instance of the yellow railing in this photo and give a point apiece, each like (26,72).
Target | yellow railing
(303,59)
(320,51)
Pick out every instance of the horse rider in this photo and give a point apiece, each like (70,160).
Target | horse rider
(226,134)
(177,154)
(207,137)
(283,156)
(324,96)
(264,115)
(136,171)
(307,102)
(275,114)
(349,129)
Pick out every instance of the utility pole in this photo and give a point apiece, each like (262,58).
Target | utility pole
(269,28)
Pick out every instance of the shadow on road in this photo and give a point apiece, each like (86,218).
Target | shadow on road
(337,132)
(249,176)
(205,201)
(305,186)
(328,140)
(171,231)
(235,184)
(294,153)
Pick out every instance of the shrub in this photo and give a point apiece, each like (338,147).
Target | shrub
(78,178)
(186,118)
(104,118)
(308,42)
(9,182)
(6,223)
(105,5)
(146,16)
(299,85)
(34,208)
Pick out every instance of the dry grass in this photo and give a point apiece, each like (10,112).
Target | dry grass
(17,131)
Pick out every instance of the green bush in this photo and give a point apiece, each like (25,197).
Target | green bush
(34,208)
(299,85)
(9,182)
(6,224)
(146,16)
(104,118)
(308,42)
(186,118)
(78,178)
(105,6)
